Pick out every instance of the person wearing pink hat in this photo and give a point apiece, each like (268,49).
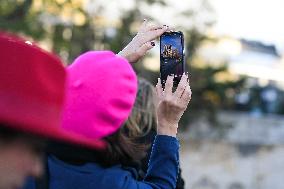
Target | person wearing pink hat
(100,97)
(32,90)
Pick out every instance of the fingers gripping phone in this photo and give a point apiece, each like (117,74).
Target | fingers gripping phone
(171,56)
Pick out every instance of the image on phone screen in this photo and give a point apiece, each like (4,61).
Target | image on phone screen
(171,56)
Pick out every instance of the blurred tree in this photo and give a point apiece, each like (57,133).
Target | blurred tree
(17,16)
(72,27)
(210,94)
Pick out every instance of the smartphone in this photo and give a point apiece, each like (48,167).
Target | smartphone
(171,56)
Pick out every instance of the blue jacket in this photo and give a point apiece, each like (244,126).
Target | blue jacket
(162,171)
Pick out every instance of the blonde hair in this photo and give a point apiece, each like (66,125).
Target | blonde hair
(142,118)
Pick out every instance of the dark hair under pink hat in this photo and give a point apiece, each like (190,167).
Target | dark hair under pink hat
(101,91)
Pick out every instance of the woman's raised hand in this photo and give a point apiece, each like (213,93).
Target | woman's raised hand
(143,41)
(171,105)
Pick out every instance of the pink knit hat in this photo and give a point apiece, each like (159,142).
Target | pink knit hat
(101,90)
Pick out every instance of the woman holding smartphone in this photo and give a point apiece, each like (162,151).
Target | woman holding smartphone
(99,100)
(141,127)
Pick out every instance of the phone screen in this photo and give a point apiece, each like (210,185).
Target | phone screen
(171,56)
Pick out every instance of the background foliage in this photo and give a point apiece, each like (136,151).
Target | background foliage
(70,28)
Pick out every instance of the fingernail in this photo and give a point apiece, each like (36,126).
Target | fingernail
(153,43)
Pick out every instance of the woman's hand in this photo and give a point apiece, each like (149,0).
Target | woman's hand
(142,42)
(171,106)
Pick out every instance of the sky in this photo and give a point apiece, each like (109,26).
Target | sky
(252,19)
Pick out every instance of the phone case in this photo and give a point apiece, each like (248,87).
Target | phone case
(171,56)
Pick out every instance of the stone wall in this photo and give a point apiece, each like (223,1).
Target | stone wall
(248,155)
(221,165)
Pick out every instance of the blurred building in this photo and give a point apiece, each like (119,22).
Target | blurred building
(244,57)
(261,63)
